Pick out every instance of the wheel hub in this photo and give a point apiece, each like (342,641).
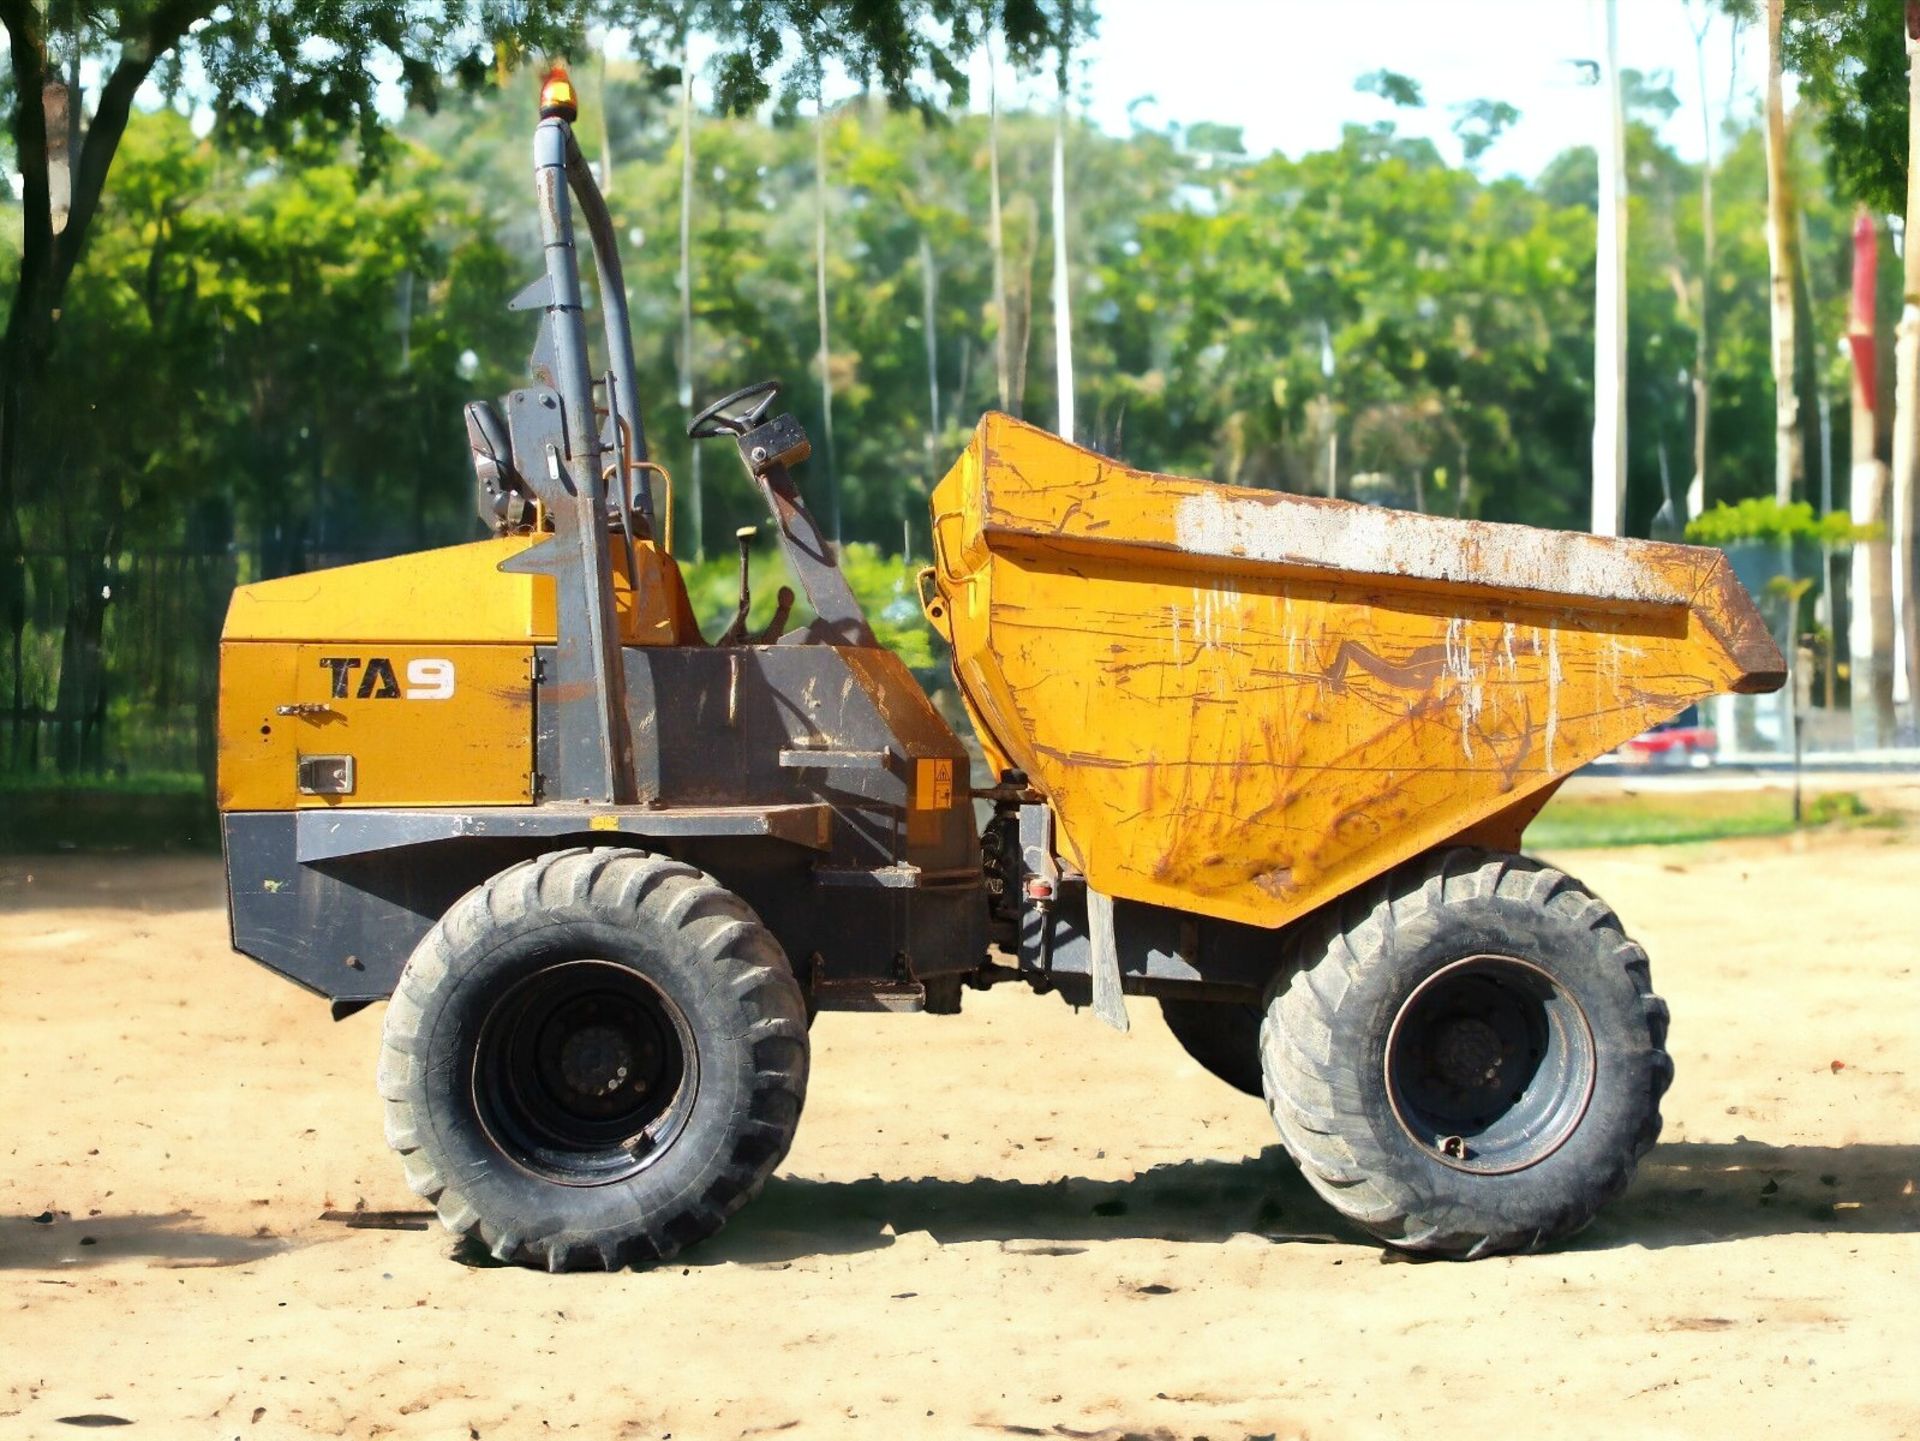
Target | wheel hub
(1490,1064)
(585,1072)
(1467,1054)
(596,1061)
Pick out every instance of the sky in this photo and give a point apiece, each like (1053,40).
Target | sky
(1284,70)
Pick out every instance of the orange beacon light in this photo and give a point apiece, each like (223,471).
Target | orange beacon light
(557,97)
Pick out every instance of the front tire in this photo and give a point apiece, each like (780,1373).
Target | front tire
(593,1060)
(1466,1057)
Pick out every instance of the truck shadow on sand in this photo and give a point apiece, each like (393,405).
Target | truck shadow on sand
(56,1241)
(1686,1194)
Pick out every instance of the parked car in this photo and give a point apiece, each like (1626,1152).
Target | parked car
(1680,741)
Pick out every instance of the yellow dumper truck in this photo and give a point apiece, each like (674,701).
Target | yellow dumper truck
(1263,758)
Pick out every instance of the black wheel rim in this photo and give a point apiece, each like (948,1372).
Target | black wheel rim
(584,1072)
(1490,1064)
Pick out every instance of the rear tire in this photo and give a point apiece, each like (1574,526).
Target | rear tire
(1466,1057)
(593,1060)
(1223,1036)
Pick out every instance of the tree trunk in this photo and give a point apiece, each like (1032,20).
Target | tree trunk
(80,698)
(1780,267)
(24,340)
(686,293)
(964,381)
(1020,334)
(929,324)
(48,254)
(1906,423)
(820,295)
(1610,304)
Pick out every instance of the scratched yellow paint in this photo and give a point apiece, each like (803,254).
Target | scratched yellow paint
(454,594)
(1245,704)
(439,725)
(411,745)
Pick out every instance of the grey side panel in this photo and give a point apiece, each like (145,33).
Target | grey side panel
(342,929)
(344,926)
(338,834)
(849,934)
(1161,951)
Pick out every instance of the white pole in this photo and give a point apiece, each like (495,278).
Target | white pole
(1003,340)
(1333,416)
(929,323)
(1062,303)
(1703,335)
(1610,299)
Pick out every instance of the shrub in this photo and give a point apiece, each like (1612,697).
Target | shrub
(1764,518)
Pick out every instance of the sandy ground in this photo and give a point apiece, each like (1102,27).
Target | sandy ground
(1015,1222)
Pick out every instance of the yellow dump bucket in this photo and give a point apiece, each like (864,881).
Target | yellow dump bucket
(1245,703)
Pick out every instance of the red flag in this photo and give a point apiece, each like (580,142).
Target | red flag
(1866,258)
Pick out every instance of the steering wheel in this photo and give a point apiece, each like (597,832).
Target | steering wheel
(721,418)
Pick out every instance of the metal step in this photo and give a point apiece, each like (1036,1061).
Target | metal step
(870,995)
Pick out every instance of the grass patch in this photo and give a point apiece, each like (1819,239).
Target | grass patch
(1584,822)
(112,815)
(132,783)
(1587,822)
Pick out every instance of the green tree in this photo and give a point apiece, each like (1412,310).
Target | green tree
(1860,64)
(1850,57)
(254,360)
(290,81)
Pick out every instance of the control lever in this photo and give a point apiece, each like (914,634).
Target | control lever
(782,610)
(736,634)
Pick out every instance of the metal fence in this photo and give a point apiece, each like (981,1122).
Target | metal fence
(115,673)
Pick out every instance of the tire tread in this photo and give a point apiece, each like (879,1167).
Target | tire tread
(722,936)
(1304,1069)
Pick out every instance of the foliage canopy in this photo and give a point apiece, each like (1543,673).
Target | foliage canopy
(1851,57)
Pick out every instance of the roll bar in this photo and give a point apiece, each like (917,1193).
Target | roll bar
(558,449)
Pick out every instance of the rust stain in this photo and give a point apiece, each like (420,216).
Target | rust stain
(1277,882)
(1418,671)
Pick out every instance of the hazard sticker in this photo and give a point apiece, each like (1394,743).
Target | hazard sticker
(932,785)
